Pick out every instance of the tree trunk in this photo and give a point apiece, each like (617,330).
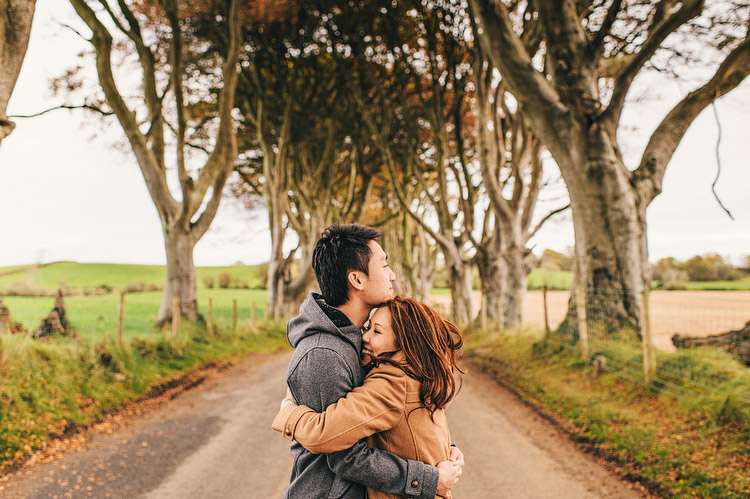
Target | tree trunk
(514,288)
(277,262)
(610,230)
(15,29)
(460,285)
(180,278)
(489,262)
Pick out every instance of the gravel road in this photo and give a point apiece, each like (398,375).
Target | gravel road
(215,441)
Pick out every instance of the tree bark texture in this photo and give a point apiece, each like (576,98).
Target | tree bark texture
(180,279)
(563,106)
(15,29)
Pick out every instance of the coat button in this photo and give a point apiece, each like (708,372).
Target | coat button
(288,431)
(415,483)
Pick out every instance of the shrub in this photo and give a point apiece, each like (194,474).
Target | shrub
(208,281)
(135,287)
(674,286)
(224,280)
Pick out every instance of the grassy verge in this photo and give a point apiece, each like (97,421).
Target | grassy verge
(676,448)
(49,388)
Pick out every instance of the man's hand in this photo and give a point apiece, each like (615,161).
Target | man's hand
(287,400)
(456,456)
(448,475)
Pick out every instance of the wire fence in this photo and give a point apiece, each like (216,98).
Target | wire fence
(131,314)
(684,343)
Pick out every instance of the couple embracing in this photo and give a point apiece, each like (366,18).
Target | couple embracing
(371,386)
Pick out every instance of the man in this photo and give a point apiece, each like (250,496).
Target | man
(354,277)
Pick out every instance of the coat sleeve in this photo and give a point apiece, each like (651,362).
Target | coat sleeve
(375,406)
(320,379)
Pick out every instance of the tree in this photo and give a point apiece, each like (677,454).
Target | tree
(173,95)
(302,147)
(15,29)
(510,159)
(572,91)
(411,62)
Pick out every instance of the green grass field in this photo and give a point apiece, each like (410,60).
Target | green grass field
(738,285)
(91,275)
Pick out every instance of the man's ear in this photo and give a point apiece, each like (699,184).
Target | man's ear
(355,280)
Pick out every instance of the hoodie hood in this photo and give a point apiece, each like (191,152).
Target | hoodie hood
(316,316)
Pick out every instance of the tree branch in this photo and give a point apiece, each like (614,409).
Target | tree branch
(657,34)
(543,220)
(667,136)
(80,106)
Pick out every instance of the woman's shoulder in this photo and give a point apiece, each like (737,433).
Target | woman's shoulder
(387,369)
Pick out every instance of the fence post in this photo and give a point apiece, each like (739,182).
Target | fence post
(649,361)
(234,314)
(519,307)
(500,312)
(483,316)
(210,324)
(120,319)
(175,316)
(252,313)
(546,315)
(583,332)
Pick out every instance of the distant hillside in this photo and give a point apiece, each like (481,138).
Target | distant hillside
(92,275)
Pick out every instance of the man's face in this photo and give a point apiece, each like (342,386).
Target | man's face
(378,285)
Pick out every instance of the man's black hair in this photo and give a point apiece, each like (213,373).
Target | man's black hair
(341,249)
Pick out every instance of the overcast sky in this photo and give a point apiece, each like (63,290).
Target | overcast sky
(68,195)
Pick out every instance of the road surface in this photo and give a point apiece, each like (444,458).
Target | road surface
(215,441)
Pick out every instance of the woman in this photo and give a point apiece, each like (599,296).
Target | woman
(411,354)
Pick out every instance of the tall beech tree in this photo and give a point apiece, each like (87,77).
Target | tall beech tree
(163,116)
(412,96)
(15,29)
(302,148)
(572,92)
(509,155)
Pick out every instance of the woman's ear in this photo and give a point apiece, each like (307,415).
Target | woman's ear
(354,278)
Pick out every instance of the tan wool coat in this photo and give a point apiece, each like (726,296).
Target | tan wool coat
(385,410)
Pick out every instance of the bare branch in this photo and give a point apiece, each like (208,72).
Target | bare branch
(543,220)
(80,106)
(667,136)
(718,161)
(657,34)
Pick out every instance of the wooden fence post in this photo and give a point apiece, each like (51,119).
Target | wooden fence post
(583,332)
(234,314)
(120,319)
(649,361)
(546,315)
(519,306)
(483,316)
(210,324)
(175,316)
(252,313)
(500,312)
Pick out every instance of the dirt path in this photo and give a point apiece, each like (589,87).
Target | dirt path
(215,442)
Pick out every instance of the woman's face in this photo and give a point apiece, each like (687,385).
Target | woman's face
(379,337)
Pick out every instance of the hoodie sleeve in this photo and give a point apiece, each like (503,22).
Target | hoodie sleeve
(376,406)
(321,378)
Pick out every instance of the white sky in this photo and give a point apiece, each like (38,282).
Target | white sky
(67,195)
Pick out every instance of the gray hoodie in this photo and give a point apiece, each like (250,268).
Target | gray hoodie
(324,368)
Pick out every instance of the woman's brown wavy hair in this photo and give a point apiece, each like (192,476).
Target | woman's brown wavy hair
(430,344)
